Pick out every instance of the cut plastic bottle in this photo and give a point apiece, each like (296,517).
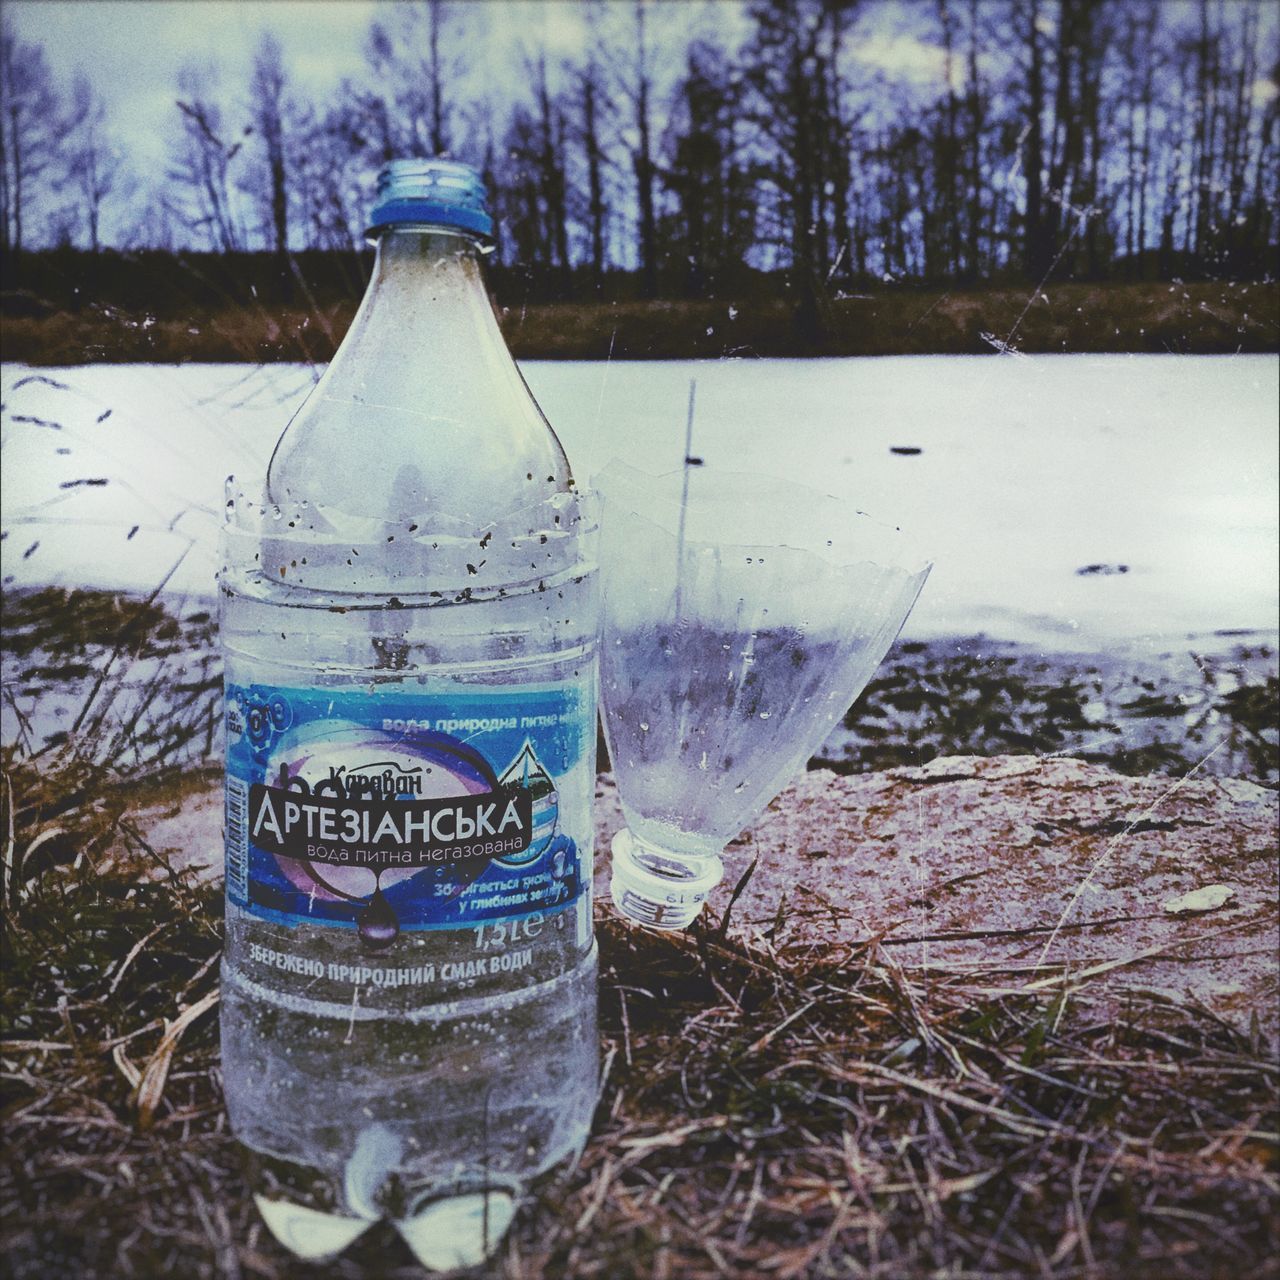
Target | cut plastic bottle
(742,615)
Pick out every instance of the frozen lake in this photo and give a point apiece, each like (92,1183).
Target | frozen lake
(1087,503)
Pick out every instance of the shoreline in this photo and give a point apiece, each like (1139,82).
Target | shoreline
(1197,318)
(1168,710)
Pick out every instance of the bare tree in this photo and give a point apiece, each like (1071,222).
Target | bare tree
(712,225)
(1140,58)
(788,68)
(532,182)
(201,170)
(1176,161)
(551,169)
(1056,135)
(329,173)
(415,61)
(1239,126)
(268,180)
(947,151)
(840,141)
(1035,250)
(517,193)
(32,127)
(631,61)
(1096,38)
(592,113)
(94,159)
(1067,147)
(1264,202)
(975,109)
(1206,52)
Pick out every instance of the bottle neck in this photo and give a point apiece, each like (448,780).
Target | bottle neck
(427,294)
(440,256)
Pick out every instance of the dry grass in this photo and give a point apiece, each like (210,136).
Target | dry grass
(1198,318)
(765,1112)
(768,1109)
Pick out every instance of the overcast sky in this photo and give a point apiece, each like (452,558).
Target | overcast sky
(132,50)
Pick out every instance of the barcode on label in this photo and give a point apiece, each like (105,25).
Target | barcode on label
(237,840)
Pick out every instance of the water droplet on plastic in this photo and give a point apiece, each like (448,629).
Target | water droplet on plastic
(377,924)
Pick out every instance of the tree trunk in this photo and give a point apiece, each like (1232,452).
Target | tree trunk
(1145,163)
(1035,259)
(595,178)
(439,133)
(949,178)
(975,149)
(643,164)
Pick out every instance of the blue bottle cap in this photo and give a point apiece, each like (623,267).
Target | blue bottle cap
(443,193)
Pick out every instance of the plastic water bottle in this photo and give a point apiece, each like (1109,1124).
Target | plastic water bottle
(408,621)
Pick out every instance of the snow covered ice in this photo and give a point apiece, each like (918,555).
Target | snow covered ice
(1154,475)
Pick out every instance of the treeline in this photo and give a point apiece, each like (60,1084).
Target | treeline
(679,154)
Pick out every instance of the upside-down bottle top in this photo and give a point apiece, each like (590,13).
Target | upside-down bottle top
(730,648)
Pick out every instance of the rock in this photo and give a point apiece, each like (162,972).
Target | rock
(1014,864)
(1018,865)
(1209,898)
(186,831)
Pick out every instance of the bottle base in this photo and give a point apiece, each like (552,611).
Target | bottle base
(310,1234)
(437,1127)
(444,1235)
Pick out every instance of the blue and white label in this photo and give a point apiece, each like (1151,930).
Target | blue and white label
(392,811)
